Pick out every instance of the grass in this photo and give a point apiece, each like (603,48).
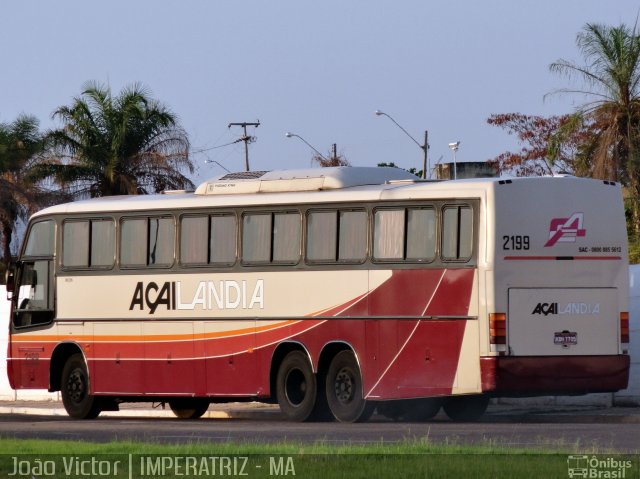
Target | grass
(308,460)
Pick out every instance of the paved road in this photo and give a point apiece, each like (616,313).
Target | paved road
(594,430)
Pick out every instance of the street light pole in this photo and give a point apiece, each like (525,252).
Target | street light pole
(454,147)
(424,148)
(291,135)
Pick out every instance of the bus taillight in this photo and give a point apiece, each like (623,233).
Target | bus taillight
(498,332)
(624,327)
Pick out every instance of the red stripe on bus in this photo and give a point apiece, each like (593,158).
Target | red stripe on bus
(558,258)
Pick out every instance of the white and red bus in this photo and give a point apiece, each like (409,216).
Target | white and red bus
(329,291)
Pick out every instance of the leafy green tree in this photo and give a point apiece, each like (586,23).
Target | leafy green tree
(128,144)
(21,143)
(610,77)
(391,164)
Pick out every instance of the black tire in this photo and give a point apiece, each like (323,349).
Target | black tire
(466,408)
(412,410)
(321,411)
(75,388)
(296,387)
(423,409)
(189,408)
(391,409)
(344,389)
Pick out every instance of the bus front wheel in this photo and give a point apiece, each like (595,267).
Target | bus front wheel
(466,408)
(76,399)
(344,389)
(296,387)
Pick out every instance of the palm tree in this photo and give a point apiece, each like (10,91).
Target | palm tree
(20,144)
(611,78)
(130,144)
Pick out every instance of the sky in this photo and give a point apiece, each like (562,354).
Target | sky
(316,69)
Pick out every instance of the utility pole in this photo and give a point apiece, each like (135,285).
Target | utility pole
(246,138)
(334,153)
(424,148)
(425,162)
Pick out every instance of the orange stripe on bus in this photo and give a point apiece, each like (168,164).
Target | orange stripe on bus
(152,337)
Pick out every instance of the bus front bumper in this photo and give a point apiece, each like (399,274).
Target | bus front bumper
(553,375)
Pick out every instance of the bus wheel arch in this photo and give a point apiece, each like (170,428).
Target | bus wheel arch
(277,357)
(59,358)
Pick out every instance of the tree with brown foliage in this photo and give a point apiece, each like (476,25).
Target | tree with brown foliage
(549,144)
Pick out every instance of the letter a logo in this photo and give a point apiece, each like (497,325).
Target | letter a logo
(566,230)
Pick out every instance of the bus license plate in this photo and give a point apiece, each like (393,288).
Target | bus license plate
(565,338)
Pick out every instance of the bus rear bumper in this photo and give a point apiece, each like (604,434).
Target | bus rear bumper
(553,375)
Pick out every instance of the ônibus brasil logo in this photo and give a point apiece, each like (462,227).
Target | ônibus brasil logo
(566,230)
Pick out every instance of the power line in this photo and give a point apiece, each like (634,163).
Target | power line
(201,150)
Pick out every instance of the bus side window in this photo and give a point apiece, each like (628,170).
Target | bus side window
(161,242)
(322,232)
(33,303)
(256,238)
(75,244)
(457,233)
(271,237)
(222,240)
(208,239)
(88,243)
(337,236)
(147,242)
(193,245)
(41,239)
(352,245)
(103,243)
(388,234)
(407,234)
(421,234)
(286,237)
(133,242)
(33,298)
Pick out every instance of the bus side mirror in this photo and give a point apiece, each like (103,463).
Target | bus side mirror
(9,278)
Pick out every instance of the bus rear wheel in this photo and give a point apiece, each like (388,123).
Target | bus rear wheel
(466,408)
(296,387)
(76,399)
(344,389)
(189,408)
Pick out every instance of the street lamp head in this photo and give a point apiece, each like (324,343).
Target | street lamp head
(289,134)
(379,113)
(454,146)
